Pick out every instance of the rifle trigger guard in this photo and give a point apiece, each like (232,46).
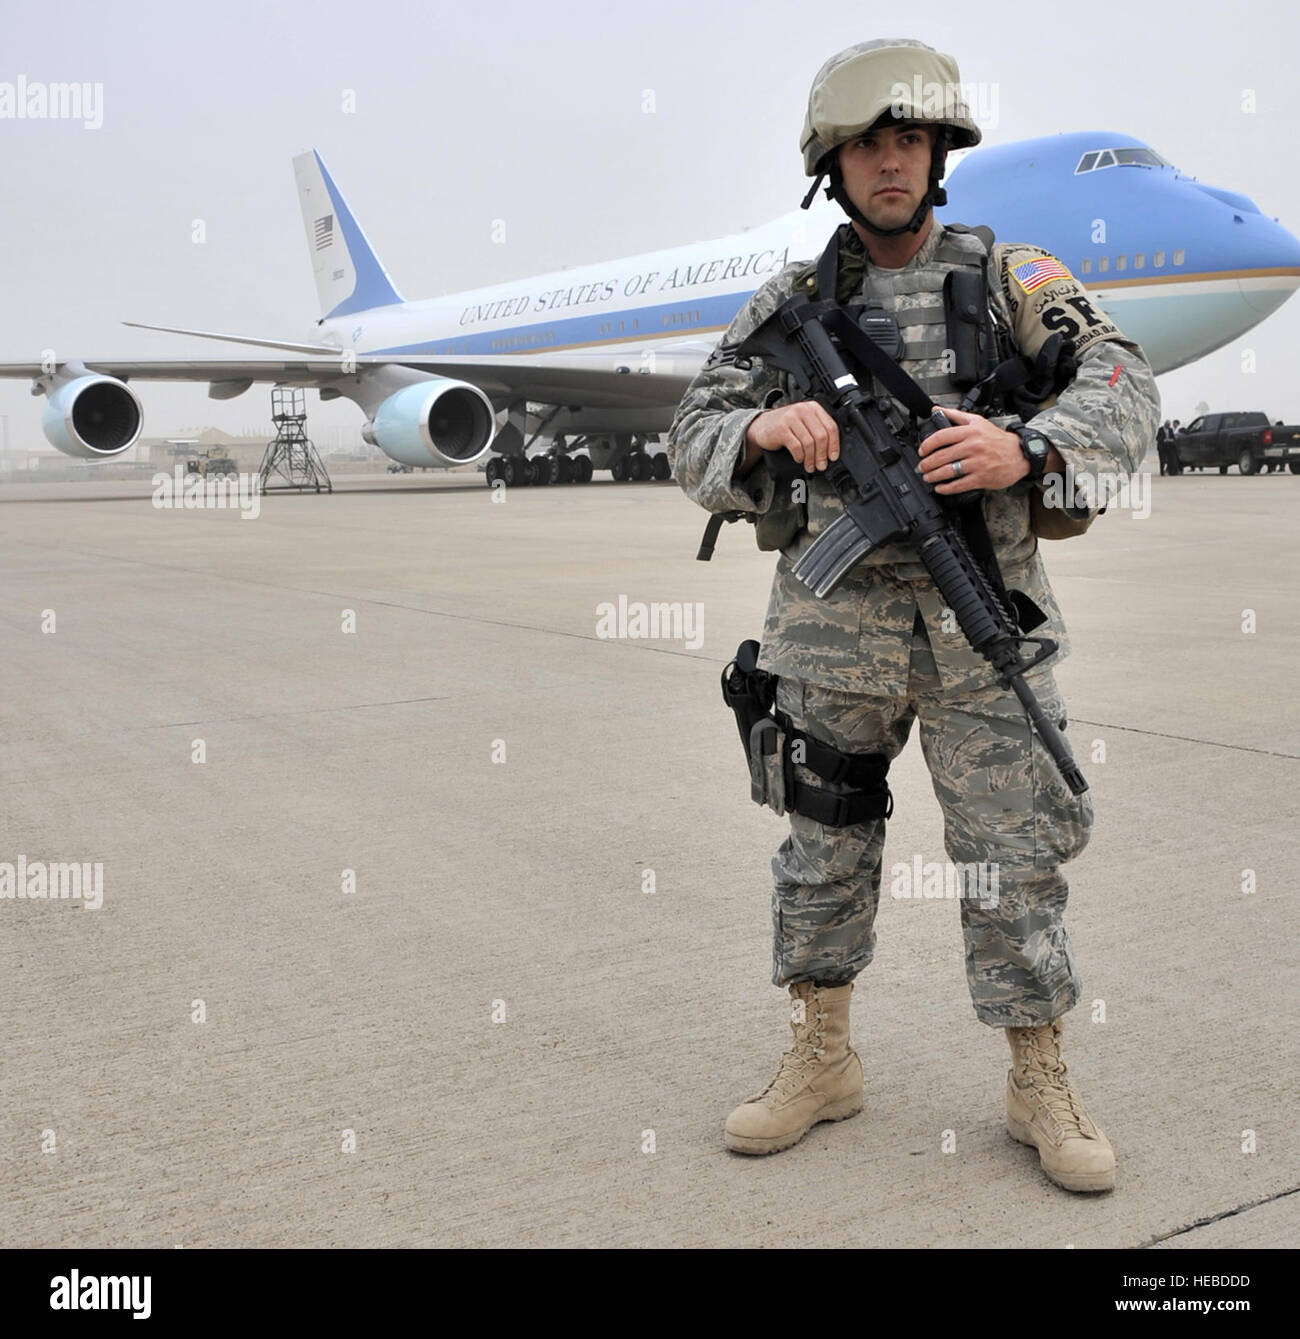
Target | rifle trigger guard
(1049,649)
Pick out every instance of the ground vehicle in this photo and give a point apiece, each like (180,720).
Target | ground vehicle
(1248,441)
(211,463)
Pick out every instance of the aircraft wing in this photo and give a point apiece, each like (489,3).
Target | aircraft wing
(599,382)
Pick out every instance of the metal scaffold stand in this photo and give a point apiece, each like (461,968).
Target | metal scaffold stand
(291,460)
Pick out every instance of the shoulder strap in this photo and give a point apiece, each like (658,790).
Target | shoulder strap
(828,268)
(980,230)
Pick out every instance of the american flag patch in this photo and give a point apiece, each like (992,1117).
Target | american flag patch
(324,232)
(1032,274)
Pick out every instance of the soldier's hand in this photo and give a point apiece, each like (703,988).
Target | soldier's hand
(990,456)
(805,429)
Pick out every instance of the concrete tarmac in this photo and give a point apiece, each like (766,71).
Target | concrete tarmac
(551,983)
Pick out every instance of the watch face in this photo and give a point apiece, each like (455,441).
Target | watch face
(1035,447)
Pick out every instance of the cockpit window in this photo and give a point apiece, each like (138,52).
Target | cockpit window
(1099,158)
(1140,157)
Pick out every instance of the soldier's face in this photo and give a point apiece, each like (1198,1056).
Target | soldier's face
(887,171)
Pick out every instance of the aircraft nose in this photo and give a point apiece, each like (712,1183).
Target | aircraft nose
(1275,273)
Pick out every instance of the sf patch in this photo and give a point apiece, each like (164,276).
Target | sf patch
(1075,316)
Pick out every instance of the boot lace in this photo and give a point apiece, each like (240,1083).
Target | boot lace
(795,1063)
(1049,1076)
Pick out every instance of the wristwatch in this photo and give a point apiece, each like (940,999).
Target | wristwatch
(1035,447)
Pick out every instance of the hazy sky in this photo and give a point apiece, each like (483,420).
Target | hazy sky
(533,113)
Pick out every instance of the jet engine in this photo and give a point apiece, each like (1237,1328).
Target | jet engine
(92,416)
(438,423)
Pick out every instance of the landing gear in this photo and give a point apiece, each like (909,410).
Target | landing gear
(624,456)
(537,471)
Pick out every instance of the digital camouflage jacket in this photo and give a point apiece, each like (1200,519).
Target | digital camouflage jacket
(859,638)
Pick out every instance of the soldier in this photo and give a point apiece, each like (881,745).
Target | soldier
(855,669)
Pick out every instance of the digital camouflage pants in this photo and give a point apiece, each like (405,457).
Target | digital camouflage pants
(1003,803)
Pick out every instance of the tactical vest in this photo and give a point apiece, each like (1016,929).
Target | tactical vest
(914,297)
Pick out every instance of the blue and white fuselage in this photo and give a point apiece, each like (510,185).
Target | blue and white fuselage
(602,353)
(1182,268)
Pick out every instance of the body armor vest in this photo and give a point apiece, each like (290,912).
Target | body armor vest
(914,298)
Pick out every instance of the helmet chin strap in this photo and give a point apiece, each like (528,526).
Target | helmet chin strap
(935,196)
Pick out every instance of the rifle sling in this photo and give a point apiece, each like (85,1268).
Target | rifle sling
(969,518)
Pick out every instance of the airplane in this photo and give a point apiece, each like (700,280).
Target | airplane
(598,357)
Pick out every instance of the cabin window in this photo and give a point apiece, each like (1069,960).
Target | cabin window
(1121,263)
(1179,256)
(1085,267)
(1103,265)
(1158,260)
(1139,261)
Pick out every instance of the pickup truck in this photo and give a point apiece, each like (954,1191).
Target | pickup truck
(1247,441)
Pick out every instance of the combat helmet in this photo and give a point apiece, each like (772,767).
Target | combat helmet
(890,81)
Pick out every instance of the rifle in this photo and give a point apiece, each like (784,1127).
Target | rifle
(886,500)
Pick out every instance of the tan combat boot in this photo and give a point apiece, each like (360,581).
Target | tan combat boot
(820,1077)
(1045,1109)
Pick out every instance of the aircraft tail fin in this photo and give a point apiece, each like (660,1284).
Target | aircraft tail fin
(349,276)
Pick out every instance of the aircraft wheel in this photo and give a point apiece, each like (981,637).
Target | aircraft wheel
(660,468)
(515,472)
(619,470)
(545,470)
(564,470)
(582,469)
(638,466)
(493,471)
